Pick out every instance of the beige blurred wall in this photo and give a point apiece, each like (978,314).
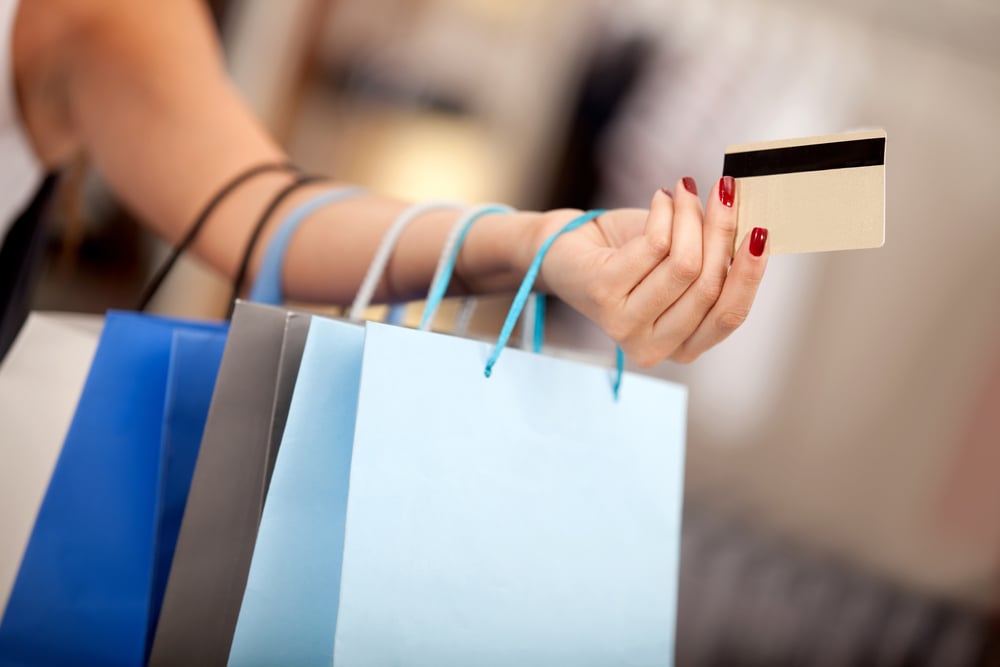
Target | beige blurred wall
(840,414)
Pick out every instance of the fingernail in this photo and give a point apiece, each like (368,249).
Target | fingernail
(666,192)
(690,185)
(727,190)
(758,239)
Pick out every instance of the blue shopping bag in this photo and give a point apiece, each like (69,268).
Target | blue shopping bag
(89,584)
(195,357)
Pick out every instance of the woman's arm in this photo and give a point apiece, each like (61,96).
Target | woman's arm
(140,85)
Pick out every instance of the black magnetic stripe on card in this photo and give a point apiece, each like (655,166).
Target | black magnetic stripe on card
(813,157)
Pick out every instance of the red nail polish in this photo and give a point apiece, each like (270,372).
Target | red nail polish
(758,238)
(727,190)
(690,185)
(666,192)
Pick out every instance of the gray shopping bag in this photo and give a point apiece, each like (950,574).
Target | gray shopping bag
(238,450)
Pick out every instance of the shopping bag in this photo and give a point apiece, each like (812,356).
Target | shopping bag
(189,394)
(288,614)
(219,529)
(526,518)
(289,608)
(84,593)
(40,382)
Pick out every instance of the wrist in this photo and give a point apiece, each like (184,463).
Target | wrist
(498,251)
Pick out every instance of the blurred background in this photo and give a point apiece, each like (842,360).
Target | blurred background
(843,479)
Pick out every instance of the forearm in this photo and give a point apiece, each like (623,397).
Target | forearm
(140,85)
(148,99)
(331,252)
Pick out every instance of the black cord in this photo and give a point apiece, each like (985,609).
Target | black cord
(161,274)
(300,182)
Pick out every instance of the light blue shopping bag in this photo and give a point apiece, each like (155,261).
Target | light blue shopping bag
(289,609)
(527,518)
(288,614)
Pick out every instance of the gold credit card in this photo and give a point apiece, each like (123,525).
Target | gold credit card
(812,194)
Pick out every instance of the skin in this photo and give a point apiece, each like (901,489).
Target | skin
(140,86)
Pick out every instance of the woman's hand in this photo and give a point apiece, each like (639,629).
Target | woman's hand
(660,282)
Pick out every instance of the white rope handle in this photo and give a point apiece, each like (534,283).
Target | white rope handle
(385,250)
(464,317)
(528,322)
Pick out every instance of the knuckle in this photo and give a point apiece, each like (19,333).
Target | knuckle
(659,242)
(647,357)
(617,327)
(727,222)
(599,292)
(748,277)
(686,268)
(709,289)
(752,280)
(731,319)
(685,357)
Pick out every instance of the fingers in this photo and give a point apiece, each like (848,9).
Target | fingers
(671,289)
(676,324)
(720,231)
(661,287)
(640,254)
(734,303)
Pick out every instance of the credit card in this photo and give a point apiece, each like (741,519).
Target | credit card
(812,194)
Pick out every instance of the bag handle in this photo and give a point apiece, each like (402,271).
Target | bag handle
(449,257)
(533,322)
(204,214)
(267,286)
(446,267)
(464,317)
(525,290)
(381,260)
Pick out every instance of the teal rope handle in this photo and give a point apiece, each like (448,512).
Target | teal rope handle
(616,385)
(539,338)
(443,276)
(525,289)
